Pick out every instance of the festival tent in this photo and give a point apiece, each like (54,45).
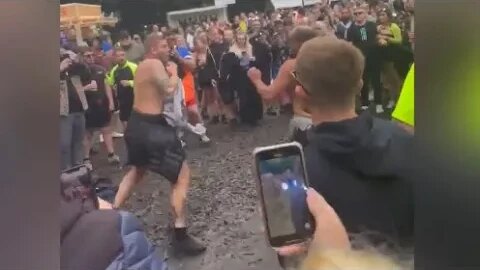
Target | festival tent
(278,4)
(82,17)
(175,17)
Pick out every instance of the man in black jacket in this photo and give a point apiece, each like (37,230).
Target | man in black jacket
(363,34)
(357,162)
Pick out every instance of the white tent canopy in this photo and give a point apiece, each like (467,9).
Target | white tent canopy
(174,17)
(222,3)
(293,3)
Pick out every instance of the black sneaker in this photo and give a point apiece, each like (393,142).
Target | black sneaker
(188,246)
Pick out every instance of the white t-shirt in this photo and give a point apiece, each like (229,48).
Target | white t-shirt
(173,107)
(190,42)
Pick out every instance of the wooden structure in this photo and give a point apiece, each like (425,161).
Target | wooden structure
(82,17)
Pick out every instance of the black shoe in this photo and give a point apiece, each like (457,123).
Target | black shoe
(188,246)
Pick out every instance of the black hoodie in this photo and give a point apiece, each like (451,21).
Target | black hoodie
(360,167)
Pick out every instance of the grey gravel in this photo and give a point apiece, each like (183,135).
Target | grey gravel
(222,202)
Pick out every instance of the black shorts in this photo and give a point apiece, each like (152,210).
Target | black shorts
(153,144)
(97,119)
(226,92)
(125,104)
(98,114)
(125,107)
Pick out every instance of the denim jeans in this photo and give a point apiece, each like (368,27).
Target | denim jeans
(72,133)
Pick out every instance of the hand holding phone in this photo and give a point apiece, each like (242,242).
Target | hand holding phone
(329,230)
(282,188)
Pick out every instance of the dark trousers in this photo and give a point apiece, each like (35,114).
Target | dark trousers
(371,78)
(403,60)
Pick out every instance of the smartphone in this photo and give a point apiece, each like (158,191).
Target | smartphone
(282,184)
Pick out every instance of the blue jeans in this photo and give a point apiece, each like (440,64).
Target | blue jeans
(72,133)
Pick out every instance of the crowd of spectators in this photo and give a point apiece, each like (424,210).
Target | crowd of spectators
(331,54)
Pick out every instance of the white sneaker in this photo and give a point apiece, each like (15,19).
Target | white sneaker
(390,104)
(183,143)
(100,138)
(117,135)
(199,129)
(379,109)
(371,96)
(204,138)
(364,108)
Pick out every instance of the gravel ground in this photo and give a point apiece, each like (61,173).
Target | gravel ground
(222,204)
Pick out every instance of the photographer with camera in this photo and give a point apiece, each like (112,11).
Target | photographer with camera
(73,104)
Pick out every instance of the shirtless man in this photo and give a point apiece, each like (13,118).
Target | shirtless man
(284,82)
(152,143)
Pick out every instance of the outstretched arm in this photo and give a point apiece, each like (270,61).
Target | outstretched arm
(283,83)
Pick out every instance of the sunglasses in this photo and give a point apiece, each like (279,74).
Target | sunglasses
(89,55)
(294,75)
(358,13)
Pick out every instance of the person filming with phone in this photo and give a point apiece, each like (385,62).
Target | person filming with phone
(73,104)
(359,163)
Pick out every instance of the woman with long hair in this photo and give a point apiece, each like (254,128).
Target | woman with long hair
(236,89)
(389,39)
(206,77)
(241,47)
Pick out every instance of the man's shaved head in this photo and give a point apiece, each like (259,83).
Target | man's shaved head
(152,41)
(156,46)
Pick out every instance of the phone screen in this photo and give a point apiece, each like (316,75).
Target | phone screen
(284,191)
